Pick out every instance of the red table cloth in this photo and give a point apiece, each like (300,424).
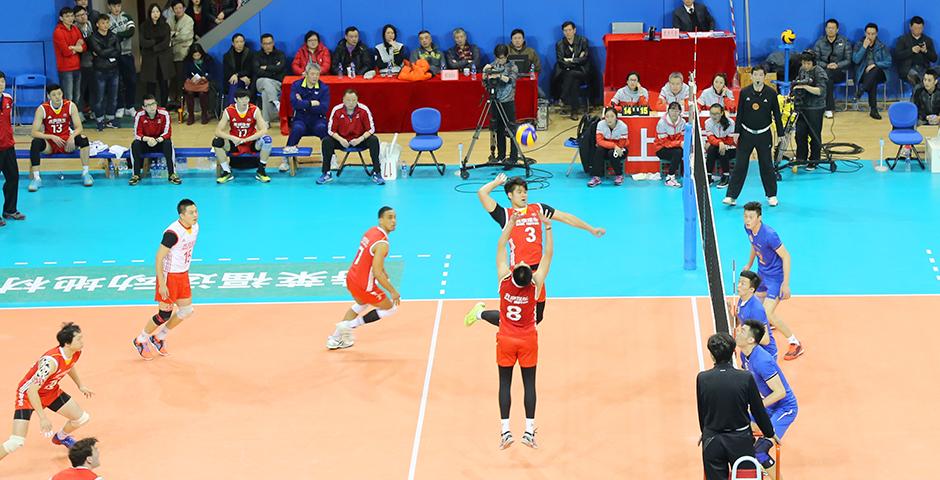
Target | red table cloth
(654,61)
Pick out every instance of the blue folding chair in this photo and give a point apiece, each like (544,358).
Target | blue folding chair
(903,118)
(426,122)
(348,150)
(29,92)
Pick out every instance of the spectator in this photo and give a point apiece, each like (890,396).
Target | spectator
(152,132)
(83,456)
(611,141)
(834,52)
(196,84)
(692,17)
(350,51)
(632,94)
(812,98)
(390,55)
(122,25)
(237,67)
(350,125)
(674,91)
(571,67)
(914,52)
(717,93)
(106,49)
(57,128)
(872,60)
(505,75)
(68,44)
(182,34)
(312,51)
(92,13)
(270,66)
(242,131)
(156,55)
(670,134)
(311,101)
(927,98)
(88,72)
(428,51)
(8,165)
(223,9)
(517,46)
(722,144)
(462,54)
(201,13)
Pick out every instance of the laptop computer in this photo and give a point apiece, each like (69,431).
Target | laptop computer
(522,63)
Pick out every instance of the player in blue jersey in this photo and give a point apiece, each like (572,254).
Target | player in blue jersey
(773,266)
(749,307)
(773,386)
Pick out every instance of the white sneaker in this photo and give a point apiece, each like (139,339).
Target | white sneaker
(772,201)
(334,343)
(35,184)
(290,150)
(285,166)
(729,201)
(672,182)
(828,113)
(119,113)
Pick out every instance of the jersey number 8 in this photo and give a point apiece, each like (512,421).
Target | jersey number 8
(514,313)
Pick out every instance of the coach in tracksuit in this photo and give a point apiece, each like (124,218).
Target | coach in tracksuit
(152,132)
(311,101)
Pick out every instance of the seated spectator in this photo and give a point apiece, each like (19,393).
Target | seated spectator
(153,128)
(181,33)
(242,131)
(350,51)
(717,93)
(237,65)
(197,84)
(611,150)
(872,60)
(428,51)
(571,67)
(201,13)
(312,51)
(57,128)
(68,43)
(223,9)
(631,95)
(311,101)
(692,17)
(674,91)
(722,144)
(670,134)
(927,98)
(270,67)
(88,72)
(350,125)
(834,52)
(390,55)
(914,52)
(156,56)
(518,47)
(463,54)
(106,49)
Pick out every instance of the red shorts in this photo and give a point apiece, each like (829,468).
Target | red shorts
(55,149)
(46,397)
(178,286)
(510,349)
(366,297)
(247,148)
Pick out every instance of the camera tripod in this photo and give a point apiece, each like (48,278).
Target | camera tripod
(783,144)
(492,160)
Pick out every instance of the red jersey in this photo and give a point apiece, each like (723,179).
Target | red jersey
(360,272)
(242,126)
(516,308)
(525,241)
(6,121)
(47,373)
(77,473)
(57,122)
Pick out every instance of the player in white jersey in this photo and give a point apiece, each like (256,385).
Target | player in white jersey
(174,255)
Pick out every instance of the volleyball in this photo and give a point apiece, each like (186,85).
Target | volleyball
(787,36)
(525,135)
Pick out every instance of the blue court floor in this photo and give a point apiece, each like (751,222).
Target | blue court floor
(859,233)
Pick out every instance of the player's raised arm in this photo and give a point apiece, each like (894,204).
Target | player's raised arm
(547,253)
(502,261)
(379,273)
(484,192)
(575,222)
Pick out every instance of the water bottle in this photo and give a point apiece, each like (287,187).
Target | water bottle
(390,66)
(404,170)
(532,72)
(122,166)
(341,71)
(473,71)
(907,163)
(352,70)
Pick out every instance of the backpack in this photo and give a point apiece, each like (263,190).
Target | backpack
(587,131)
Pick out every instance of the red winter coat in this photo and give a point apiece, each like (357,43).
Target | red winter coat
(321,57)
(62,38)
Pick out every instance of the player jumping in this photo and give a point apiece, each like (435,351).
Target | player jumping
(40,387)
(174,256)
(367,269)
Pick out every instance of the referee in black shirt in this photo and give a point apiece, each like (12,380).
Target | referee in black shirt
(757,109)
(724,395)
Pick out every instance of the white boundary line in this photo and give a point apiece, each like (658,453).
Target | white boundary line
(698,334)
(416,446)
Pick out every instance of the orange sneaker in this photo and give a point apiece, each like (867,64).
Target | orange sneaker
(143,349)
(794,351)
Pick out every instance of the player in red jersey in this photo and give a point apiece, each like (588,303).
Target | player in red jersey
(367,269)
(40,387)
(242,131)
(83,457)
(517,339)
(57,128)
(525,244)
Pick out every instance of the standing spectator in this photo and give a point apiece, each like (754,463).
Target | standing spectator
(350,51)
(632,94)
(223,9)
(927,98)
(197,84)
(463,54)
(872,60)
(350,125)
(269,67)
(92,13)
(428,51)
(692,17)
(505,75)
(87,86)
(611,139)
(670,134)
(834,53)
(181,34)
(914,52)
(106,48)
(311,101)
(11,172)
(571,67)
(156,55)
(717,93)
(57,128)
(201,13)
(722,144)
(390,54)
(122,25)
(69,45)
(237,64)
(812,98)
(152,132)
(675,91)
(83,456)
(312,51)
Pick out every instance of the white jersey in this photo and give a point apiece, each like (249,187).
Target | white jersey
(181,254)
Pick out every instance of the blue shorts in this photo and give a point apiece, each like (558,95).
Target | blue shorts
(782,416)
(770,285)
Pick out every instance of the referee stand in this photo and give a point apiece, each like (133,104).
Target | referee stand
(740,473)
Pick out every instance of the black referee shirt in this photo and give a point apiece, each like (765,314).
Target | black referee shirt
(757,109)
(724,395)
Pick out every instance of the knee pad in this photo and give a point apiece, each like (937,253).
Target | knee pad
(81,141)
(387,313)
(161,317)
(82,420)
(14,443)
(264,143)
(358,308)
(218,142)
(185,312)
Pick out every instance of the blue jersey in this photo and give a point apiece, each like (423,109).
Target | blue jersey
(753,309)
(765,245)
(764,368)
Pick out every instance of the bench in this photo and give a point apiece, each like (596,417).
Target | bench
(75,155)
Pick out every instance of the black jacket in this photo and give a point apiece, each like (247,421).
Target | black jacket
(275,65)
(106,50)
(361,56)
(818,78)
(207,19)
(905,58)
(927,103)
(683,21)
(574,51)
(725,395)
(226,6)
(155,51)
(247,67)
